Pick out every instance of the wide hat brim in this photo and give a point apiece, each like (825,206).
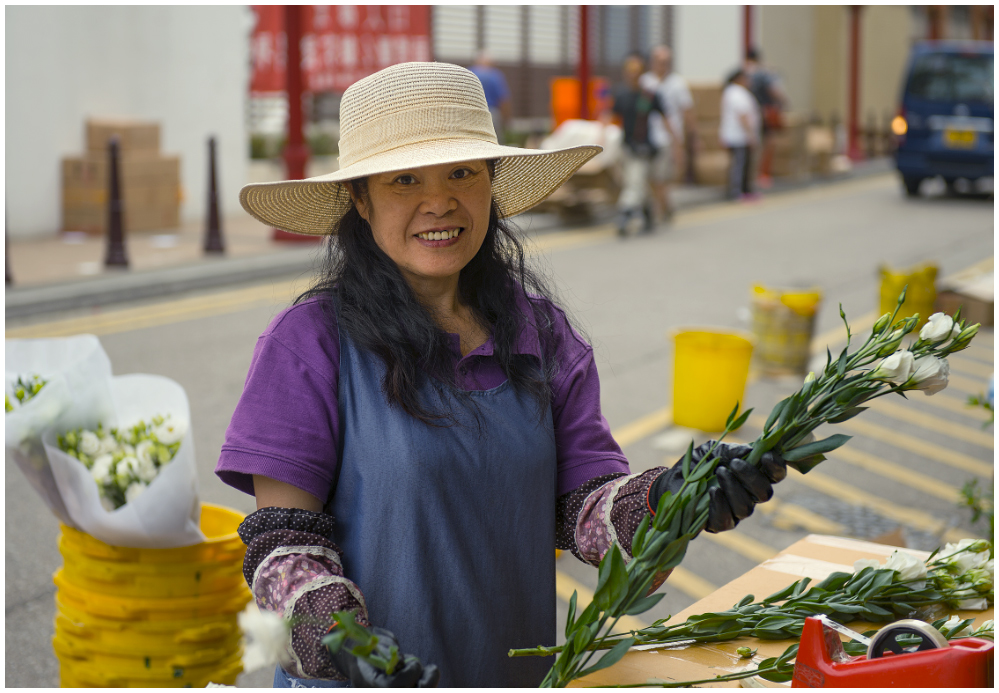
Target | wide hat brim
(523,178)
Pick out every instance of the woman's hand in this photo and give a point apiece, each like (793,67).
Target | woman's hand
(738,485)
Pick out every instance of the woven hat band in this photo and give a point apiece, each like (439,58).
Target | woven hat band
(414,126)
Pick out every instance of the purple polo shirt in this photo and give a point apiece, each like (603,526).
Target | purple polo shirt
(286,427)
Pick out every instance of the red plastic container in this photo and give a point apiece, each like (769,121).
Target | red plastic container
(822,663)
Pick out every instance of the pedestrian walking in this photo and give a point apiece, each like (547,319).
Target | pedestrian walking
(766,88)
(738,132)
(634,106)
(497,92)
(422,428)
(675,94)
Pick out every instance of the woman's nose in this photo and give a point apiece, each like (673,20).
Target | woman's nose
(438,201)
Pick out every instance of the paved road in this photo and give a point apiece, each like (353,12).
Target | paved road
(900,473)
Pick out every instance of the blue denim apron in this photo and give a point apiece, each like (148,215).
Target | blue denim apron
(448,531)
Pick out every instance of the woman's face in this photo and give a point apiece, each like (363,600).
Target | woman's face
(430,220)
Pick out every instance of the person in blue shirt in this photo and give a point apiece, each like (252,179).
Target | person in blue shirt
(497,92)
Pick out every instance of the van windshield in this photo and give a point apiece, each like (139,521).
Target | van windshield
(952,77)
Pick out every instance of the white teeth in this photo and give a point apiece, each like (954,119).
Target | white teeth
(439,235)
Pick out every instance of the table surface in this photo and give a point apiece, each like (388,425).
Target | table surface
(815,556)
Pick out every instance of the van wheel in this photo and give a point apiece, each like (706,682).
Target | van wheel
(911,186)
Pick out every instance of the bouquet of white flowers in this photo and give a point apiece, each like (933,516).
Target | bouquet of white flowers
(43,378)
(124,463)
(129,478)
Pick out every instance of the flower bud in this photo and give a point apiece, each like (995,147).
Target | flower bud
(745,652)
(881,324)
(810,377)
(944,581)
(892,344)
(895,368)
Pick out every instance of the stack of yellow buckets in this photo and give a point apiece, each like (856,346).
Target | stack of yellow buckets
(151,617)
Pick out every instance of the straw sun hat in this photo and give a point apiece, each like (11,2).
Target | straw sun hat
(403,117)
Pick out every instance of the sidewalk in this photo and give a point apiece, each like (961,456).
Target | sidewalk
(66,271)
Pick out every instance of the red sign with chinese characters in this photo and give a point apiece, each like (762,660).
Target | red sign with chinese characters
(340,43)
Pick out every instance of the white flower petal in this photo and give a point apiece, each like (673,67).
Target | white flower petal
(862,563)
(265,638)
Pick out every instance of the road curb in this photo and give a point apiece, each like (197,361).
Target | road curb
(20,302)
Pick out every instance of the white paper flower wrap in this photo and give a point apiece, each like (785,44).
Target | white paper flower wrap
(163,514)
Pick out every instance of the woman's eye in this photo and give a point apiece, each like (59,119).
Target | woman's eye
(462,173)
(405,179)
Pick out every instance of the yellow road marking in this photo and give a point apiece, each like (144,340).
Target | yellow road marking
(836,337)
(959,406)
(565,586)
(896,472)
(971,386)
(125,319)
(643,427)
(979,351)
(789,516)
(889,470)
(923,448)
(687,582)
(854,496)
(742,544)
(847,493)
(969,367)
(933,423)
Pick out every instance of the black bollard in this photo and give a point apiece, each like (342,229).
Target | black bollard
(116,256)
(6,252)
(213,225)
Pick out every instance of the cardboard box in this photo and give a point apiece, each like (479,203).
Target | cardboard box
(707,100)
(973,293)
(133,135)
(150,189)
(711,168)
(707,133)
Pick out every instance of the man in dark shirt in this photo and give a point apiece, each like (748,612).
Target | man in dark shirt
(632,105)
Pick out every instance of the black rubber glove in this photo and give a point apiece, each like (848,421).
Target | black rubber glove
(409,673)
(737,487)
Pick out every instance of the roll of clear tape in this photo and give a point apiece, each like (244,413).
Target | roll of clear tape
(886,639)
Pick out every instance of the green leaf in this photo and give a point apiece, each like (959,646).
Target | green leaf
(686,460)
(834,581)
(582,639)
(808,464)
(745,601)
(847,415)
(612,657)
(781,595)
(644,604)
(819,446)
(875,610)
(800,587)
(774,414)
(638,541)
(728,421)
(738,423)
(334,641)
(572,614)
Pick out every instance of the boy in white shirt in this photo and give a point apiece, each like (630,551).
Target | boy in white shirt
(739,133)
(674,93)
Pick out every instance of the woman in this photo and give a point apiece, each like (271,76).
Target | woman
(423,428)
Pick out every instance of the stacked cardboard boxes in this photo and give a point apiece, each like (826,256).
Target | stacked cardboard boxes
(150,181)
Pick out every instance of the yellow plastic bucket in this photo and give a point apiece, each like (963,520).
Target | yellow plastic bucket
(919,297)
(151,617)
(710,369)
(783,326)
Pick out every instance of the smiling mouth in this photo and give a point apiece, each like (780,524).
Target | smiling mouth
(440,235)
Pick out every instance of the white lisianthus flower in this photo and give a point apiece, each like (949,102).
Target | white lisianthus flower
(987,629)
(965,555)
(128,449)
(952,622)
(90,444)
(127,469)
(908,567)
(146,470)
(895,368)
(134,490)
(939,326)
(862,563)
(930,374)
(101,471)
(170,432)
(108,444)
(265,638)
(146,451)
(979,604)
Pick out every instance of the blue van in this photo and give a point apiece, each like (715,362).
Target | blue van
(945,123)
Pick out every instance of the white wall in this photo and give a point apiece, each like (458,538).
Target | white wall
(186,67)
(787,41)
(708,41)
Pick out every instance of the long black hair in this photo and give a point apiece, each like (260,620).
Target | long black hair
(376,307)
